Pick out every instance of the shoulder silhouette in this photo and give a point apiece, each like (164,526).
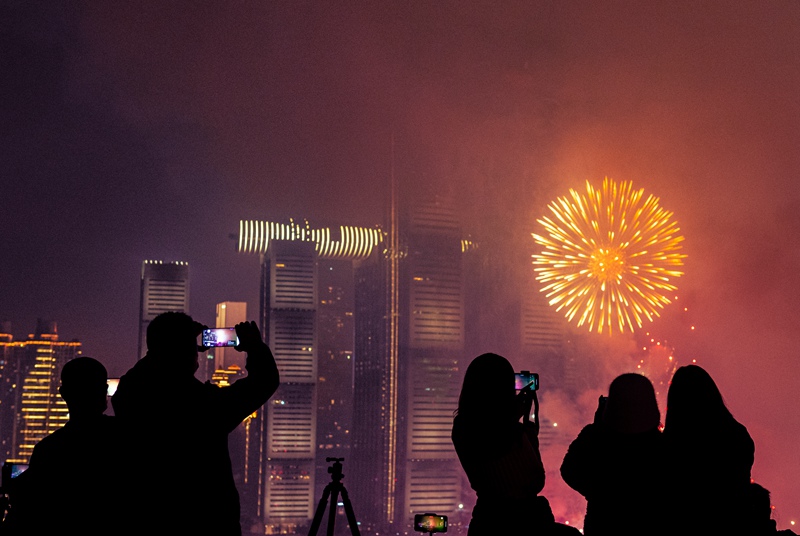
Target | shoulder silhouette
(615,462)
(73,478)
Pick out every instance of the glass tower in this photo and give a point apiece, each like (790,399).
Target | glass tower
(164,287)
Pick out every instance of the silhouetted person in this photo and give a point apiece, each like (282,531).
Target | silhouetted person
(616,461)
(758,513)
(178,428)
(710,456)
(71,484)
(500,454)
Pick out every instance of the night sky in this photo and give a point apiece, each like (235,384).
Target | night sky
(148,129)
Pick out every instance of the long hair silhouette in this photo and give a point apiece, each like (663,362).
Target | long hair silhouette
(694,401)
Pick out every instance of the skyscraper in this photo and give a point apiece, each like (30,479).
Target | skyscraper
(290,316)
(334,365)
(409,343)
(289,273)
(164,287)
(32,406)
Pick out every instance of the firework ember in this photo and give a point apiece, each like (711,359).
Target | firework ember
(610,256)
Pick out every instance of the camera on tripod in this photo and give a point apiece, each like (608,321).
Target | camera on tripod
(336,469)
(331,493)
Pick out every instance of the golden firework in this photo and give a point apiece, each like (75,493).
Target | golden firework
(610,256)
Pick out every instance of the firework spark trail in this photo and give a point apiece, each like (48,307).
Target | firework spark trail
(609,256)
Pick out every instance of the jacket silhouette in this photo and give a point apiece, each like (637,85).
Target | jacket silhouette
(178,427)
(616,462)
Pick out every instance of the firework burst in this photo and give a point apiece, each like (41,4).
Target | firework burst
(610,256)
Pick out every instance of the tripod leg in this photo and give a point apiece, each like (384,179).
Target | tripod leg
(351,516)
(320,511)
(332,511)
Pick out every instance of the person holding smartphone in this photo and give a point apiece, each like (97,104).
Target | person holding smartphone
(498,446)
(177,428)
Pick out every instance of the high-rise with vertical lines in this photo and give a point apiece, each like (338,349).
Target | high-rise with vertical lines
(164,287)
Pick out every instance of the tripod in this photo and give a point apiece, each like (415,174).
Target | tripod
(336,488)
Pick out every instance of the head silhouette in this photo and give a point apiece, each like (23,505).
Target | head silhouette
(173,337)
(694,401)
(631,407)
(488,389)
(84,387)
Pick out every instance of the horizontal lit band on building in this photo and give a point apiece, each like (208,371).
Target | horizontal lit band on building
(353,243)
(176,263)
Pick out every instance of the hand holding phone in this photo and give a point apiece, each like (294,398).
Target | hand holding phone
(249,336)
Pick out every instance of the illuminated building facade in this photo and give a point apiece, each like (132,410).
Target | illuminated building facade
(289,290)
(9,380)
(164,287)
(408,322)
(409,344)
(306,317)
(32,406)
(335,358)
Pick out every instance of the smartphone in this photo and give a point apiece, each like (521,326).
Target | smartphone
(430,523)
(112,386)
(523,378)
(220,337)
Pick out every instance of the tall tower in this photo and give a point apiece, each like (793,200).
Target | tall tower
(164,287)
(34,366)
(289,294)
(300,329)
(432,346)
(335,358)
(409,346)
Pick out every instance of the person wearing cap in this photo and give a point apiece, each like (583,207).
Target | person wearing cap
(177,428)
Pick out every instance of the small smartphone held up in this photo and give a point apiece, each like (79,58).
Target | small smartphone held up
(220,337)
(523,378)
(430,523)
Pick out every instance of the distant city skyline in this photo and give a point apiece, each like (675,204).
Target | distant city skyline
(150,130)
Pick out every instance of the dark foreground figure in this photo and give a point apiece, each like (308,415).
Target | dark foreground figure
(177,428)
(71,484)
(616,462)
(500,454)
(707,472)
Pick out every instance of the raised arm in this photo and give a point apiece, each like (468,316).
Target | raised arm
(248,394)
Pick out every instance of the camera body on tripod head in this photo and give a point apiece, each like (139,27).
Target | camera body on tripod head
(333,491)
(336,469)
